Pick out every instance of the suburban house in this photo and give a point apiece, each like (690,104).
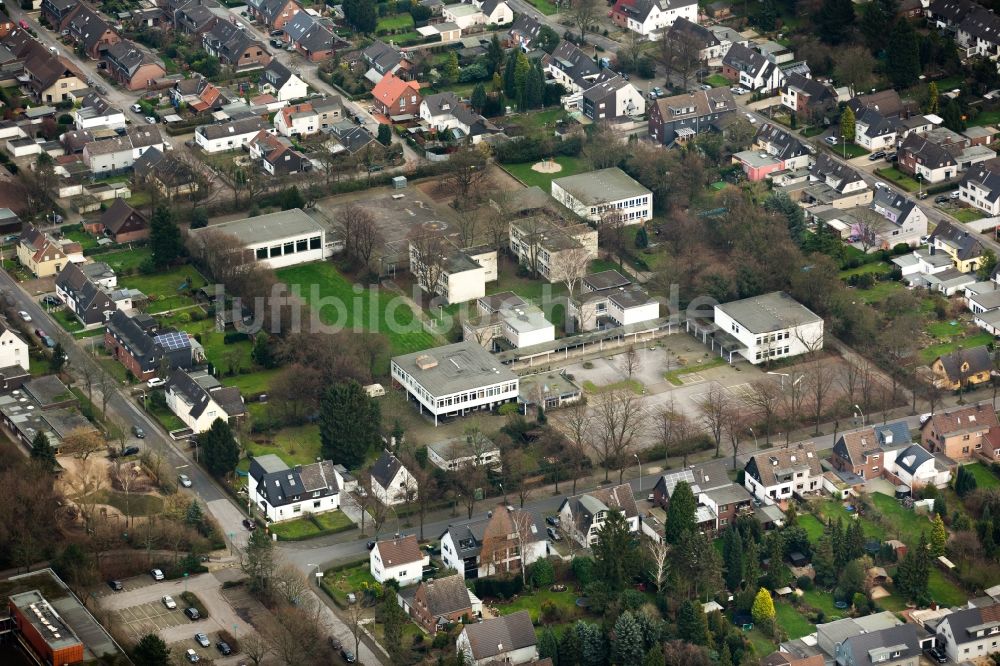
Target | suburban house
(497,12)
(131,66)
(682,117)
(612,97)
(650,17)
(52,79)
(122,223)
(887,102)
(895,646)
(609,299)
(773,149)
(278,80)
(835,184)
(80,287)
(137,343)
(198,399)
(43,255)
(808,98)
(963,368)
(980,187)
(502,542)
(89,31)
(276,155)
(463,15)
(750,69)
(965,251)
(713,44)
(13,351)
(199,94)
(960,433)
(979,34)
(949,13)
(384,59)
(58,11)
(195,17)
(392,483)
(970,633)
(473,450)
(314,38)
(570,67)
(284,493)
(297,119)
(459,274)
(170,176)
(778,474)
(437,602)
(582,516)
(552,250)
(231,135)
(914,466)
(235,46)
(279,239)
(273,13)
(95,111)
(445,111)
(394,97)
(454,379)
(919,156)
(508,639)
(523,32)
(605,194)
(874,131)
(765,327)
(720,501)
(863,452)
(400,558)
(905,221)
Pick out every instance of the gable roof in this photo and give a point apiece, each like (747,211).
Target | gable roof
(887,200)
(525,27)
(88,26)
(385,469)
(881,645)
(127,56)
(499,635)
(701,35)
(966,622)
(912,457)
(744,59)
(966,245)
(116,216)
(978,359)
(827,168)
(229,41)
(985,175)
(817,91)
(982,24)
(886,102)
(769,464)
(786,146)
(391,87)
(447,595)
(963,419)
(47,69)
(232,128)
(395,552)
(951,11)
(467,536)
(382,56)
(281,485)
(929,154)
(586,506)
(276,74)
(574,62)
(701,103)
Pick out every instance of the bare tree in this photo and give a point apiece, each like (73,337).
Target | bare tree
(298,637)
(734,424)
(658,551)
(425,489)
(819,383)
(289,584)
(869,228)
(714,406)
(82,443)
(467,168)
(679,52)
(619,420)
(630,361)
(570,267)
(105,384)
(764,399)
(673,428)
(355,623)
(255,647)
(497,221)
(524,537)
(428,255)
(360,231)
(584,14)
(467,224)
(576,422)
(468,479)
(127,474)
(85,484)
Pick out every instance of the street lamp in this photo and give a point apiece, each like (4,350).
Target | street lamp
(862,414)
(504,492)
(639,463)
(756,447)
(843,142)
(920,185)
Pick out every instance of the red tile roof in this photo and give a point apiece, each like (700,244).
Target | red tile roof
(390,88)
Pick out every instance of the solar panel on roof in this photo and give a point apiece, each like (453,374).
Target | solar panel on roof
(173,340)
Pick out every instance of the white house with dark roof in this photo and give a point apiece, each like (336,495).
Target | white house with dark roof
(493,544)
(508,639)
(979,34)
(751,69)
(571,67)
(970,633)
(980,187)
(496,12)
(778,474)
(231,135)
(278,80)
(895,646)
(650,17)
(873,131)
(198,399)
(596,195)
(454,379)
(400,558)
(284,493)
(13,349)
(392,483)
(445,111)
(905,221)
(612,97)
(582,516)
(768,326)
(464,451)
(915,467)
(524,31)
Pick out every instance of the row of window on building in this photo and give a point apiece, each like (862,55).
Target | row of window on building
(291,247)
(488,392)
(777,351)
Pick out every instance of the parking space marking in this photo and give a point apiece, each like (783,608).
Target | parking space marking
(150,617)
(692,378)
(744,390)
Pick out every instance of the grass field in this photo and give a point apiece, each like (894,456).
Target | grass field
(125,261)
(304,528)
(812,526)
(86,241)
(630,384)
(987,118)
(674,376)
(899,178)
(163,289)
(943,591)
(395,23)
(928,354)
(138,505)
(875,267)
(354,579)
(544,6)
(944,329)
(565,601)
(67,320)
(984,477)
(523,172)
(296,446)
(821,600)
(968,214)
(252,383)
(900,522)
(718,81)
(394,318)
(879,292)
(536,119)
(167,418)
(789,619)
(850,150)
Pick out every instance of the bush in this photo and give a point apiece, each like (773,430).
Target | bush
(441,640)
(583,570)
(498,587)
(804,583)
(229,638)
(550,613)
(192,600)
(542,573)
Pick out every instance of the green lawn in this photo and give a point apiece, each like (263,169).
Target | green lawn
(821,601)
(306,527)
(523,172)
(167,418)
(928,354)
(67,320)
(164,288)
(879,291)
(943,591)
(395,23)
(968,214)
(674,376)
(253,383)
(631,384)
(984,477)
(544,6)
(125,261)
(114,368)
(566,601)
(354,579)
(394,318)
(875,267)
(138,505)
(77,233)
(944,329)
(987,118)
(812,526)
(902,523)
(899,178)
(296,446)
(789,619)
(537,119)
(848,150)
(718,81)
(762,644)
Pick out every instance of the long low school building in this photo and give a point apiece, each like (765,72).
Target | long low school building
(285,238)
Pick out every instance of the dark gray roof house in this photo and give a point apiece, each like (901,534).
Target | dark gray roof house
(894,646)
(699,34)
(524,30)
(950,12)
(980,25)
(574,63)
(886,102)
(84,298)
(281,485)
(986,177)
(382,57)
(385,469)
(352,137)
(875,124)
(200,391)
(141,346)
(979,360)
(496,637)
(783,144)
(912,457)
(839,176)
(964,243)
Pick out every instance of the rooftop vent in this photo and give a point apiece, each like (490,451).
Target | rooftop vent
(426,362)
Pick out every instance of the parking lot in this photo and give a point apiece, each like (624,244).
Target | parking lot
(150,618)
(179,648)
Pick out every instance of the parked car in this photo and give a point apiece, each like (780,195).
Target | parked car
(890,157)
(751,117)
(936,654)
(941,198)
(830,140)
(156,381)
(223,647)
(130,451)
(249,523)
(49,342)
(24,315)
(192,613)
(51,301)
(277,33)
(202,639)
(347,655)
(116,585)
(169,602)
(553,520)
(705,86)
(335,643)
(184,480)
(157,574)
(553,534)
(39,332)
(877,155)
(151,120)
(192,656)
(138,432)
(277,43)
(137,108)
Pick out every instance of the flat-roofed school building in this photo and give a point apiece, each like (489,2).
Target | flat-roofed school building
(285,238)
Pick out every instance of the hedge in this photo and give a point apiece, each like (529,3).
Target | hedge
(498,587)
(192,600)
